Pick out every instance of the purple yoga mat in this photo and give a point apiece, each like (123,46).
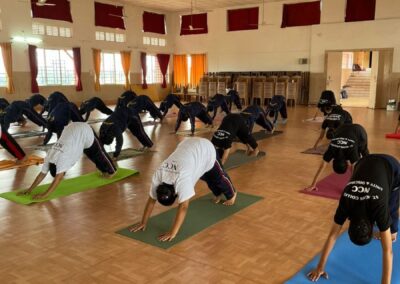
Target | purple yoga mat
(331,186)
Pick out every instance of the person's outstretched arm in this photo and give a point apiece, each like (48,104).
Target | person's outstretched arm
(319,271)
(40,177)
(56,181)
(318,173)
(179,218)
(387,255)
(146,215)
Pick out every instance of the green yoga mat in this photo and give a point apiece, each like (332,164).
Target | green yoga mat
(96,120)
(202,213)
(70,186)
(239,158)
(320,150)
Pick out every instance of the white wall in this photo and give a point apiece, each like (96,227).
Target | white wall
(275,49)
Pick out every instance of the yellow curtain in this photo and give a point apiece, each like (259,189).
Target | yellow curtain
(198,68)
(96,65)
(7,59)
(126,66)
(180,70)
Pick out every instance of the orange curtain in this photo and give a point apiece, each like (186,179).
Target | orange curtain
(7,59)
(198,68)
(180,70)
(96,65)
(126,66)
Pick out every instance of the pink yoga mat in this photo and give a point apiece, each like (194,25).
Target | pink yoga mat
(393,135)
(331,186)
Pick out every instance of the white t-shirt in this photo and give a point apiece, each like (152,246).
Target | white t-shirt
(191,159)
(76,137)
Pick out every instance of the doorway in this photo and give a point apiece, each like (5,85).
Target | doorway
(355,76)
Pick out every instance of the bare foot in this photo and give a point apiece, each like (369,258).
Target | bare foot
(109,176)
(231,201)
(311,188)
(217,199)
(254,153)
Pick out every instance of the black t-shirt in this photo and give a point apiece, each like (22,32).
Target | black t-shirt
(227,131)
(368,192)
(337,117)
(346,144)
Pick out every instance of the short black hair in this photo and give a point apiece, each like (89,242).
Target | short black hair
(166,194)
(340,166)
(53,169)
(360,231)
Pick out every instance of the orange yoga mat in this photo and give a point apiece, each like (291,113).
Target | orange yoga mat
(11,164)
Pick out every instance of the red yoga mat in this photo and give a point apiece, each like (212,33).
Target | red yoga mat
(331,186)
(393,135)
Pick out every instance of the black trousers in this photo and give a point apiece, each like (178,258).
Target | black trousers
(98,155)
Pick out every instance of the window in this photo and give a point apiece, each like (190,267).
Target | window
(146,40)
(55,67)
(111,71)
(108,36)
(51,31)
(162,42)
(119,37)
(3,74)
(347,60)
(40,29)
(37,29)
(154,75)
(154,41)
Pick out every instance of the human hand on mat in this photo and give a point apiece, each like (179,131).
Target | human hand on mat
(137,227)
(312,187)
(315,274)
(166,237)
(24,192)
(40,195)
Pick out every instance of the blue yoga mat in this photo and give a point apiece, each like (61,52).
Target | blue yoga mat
(349,263)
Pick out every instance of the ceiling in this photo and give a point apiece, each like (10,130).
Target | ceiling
(184,5)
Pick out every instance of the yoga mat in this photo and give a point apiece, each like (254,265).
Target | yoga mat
(320,150)
(11,164)
(353,264)
(202,213)
(318,119)
(197,131)
(262,134)
(331,186)
(393,135)
(239,158)
(130,153)
(27,134)
(70,186)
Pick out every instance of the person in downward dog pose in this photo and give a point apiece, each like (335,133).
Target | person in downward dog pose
(76,139)
(371,197)
(193,159)
(90,105)
(191,111)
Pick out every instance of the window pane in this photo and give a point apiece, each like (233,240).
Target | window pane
(3,75)
(154,41)
(119,37)
(161,42)
(154,75)
(55,67)
(146,40)
(111,71)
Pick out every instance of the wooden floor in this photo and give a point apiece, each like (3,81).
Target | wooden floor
(72,239)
